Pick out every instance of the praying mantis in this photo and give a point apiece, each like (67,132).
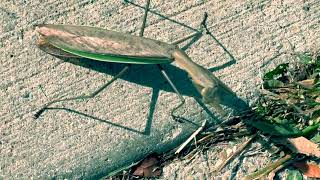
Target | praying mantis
(110,46)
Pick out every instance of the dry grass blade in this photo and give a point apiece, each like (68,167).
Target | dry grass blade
(183,145)
(265,171)
(233,155)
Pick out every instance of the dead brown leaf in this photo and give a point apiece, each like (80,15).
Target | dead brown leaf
(300,145)
(308,169)
(308,83)
(148,168)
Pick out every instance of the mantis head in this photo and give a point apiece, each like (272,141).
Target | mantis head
(210,87)
(211,94)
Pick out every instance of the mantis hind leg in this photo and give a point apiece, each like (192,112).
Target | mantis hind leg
(144,20)
(91,95)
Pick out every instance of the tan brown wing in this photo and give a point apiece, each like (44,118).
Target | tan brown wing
(101,41)
(44,46)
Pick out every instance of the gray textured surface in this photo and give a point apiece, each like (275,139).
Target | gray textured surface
(120,126)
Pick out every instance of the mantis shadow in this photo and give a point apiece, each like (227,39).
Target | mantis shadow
(150,76)
(144,75)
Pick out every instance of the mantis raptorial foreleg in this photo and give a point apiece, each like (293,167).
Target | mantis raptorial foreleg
(165,75)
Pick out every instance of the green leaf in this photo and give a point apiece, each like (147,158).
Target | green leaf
(294,175)
(271,84)
(310,130)
(275,129)
(316,138)
(304,58)
(279,70)
(280,120)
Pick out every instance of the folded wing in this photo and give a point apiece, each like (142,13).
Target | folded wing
(104,45)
